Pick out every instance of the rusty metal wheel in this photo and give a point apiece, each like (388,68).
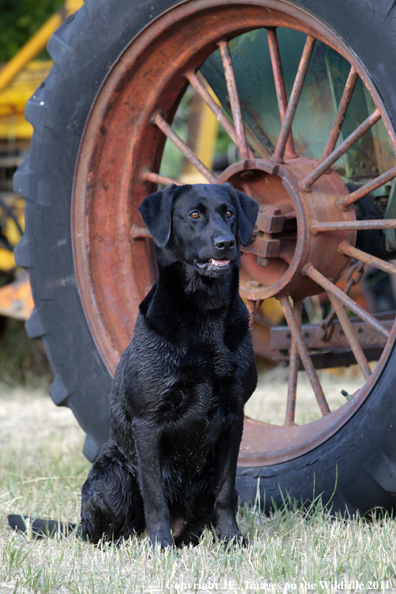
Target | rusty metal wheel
(317,200)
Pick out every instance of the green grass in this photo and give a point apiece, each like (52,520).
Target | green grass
(41,472)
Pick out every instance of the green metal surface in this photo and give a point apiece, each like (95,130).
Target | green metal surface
(317,107)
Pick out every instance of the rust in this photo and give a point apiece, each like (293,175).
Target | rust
(276,189)
(264,247)
(139,232)
(270,219)
(148,175)
(323,227)
(294,98)
(348,250)
(196,81)
(357,267)
(252,307)
(234,99)
(265,444)
(280,86)
(181,145)
(346,201)
(293,371)
(324,165)
(332,289)
(351,336)
(341,112)
(280,337)
(114,273)
(304,355)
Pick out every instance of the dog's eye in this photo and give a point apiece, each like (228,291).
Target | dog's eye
(229,214)
(195,215)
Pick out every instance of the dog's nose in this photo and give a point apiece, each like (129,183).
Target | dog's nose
(224,242)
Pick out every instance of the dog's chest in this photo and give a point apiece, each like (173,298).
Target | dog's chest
(199,406)
(188,441)
(209,359)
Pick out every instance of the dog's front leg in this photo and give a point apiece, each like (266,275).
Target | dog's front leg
(227,450)
(156,511)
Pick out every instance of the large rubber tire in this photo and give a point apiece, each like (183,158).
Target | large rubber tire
(360,459)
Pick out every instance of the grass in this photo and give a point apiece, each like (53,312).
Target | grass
(41,472)
(22,361)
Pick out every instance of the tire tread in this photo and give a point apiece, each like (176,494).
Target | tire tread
(23,253)
(34,325)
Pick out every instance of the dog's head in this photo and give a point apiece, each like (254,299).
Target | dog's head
(200,225)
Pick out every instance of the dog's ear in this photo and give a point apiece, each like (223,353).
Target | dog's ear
(247,214)
(156,211)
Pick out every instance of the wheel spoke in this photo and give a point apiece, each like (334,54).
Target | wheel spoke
(351,336)
(196,82)
(252,307)
(137,232)
(304,355)
(279,86)
(324,165)
(346,201)
(293,371)
(332,289)
(234,99)
(156,178)
(353,252)
(357,267)
(322,226)
(341,112)
(294,98)
(182,146)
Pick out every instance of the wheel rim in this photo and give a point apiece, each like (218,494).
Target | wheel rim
(114,257)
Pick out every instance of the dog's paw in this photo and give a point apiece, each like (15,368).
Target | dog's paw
(231,535)
(235,539)
(161,538)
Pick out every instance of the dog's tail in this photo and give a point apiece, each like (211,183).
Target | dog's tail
(39,528)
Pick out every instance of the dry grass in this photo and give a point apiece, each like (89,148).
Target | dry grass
(23,361)
(41,472)
(268,403)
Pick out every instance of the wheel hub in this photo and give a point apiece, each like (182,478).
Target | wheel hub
(273,264)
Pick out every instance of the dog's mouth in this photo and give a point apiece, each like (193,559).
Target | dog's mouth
(213,265)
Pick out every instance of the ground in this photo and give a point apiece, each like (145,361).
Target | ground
(41,473)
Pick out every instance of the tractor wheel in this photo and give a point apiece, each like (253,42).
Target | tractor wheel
(101,120)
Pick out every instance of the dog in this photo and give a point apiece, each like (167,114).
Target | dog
(180,387)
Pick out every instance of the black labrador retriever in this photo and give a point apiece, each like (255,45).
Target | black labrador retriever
(180,387)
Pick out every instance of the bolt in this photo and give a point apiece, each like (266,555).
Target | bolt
(347,396)
(253,283)
(263,261)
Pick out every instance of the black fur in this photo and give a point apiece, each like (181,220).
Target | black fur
(180,387)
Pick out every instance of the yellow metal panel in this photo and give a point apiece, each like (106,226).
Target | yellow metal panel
(73,5)
(16,299)
(11,232)
(207,136)
(30,50)
(204,145)
(272,310)
(7,260)
(13,100)
(36,43)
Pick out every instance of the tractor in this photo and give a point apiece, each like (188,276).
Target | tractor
(292,102)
